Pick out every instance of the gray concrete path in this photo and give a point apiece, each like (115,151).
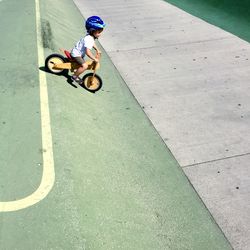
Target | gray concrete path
(192,79)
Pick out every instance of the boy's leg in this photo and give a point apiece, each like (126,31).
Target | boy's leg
(80,70)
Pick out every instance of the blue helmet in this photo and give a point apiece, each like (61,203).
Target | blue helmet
(94,23)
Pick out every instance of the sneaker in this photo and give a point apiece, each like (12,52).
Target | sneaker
(76,79)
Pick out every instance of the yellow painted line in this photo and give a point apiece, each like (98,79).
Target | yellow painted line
(48,176)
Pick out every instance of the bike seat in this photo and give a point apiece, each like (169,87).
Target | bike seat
(67,53)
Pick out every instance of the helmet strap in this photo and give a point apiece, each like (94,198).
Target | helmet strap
(91,33)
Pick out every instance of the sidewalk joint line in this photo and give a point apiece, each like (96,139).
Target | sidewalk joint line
(169,45)
(219,159)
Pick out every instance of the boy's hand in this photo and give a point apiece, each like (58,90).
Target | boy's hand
(96,60)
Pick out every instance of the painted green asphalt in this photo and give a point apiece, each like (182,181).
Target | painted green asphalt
(117,185)
(20,129)
(230,15)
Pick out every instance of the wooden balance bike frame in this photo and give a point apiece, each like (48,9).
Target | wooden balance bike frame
(58,64)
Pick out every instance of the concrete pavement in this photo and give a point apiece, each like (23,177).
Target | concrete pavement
(192,80)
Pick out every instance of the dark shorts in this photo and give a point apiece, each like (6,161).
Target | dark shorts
(79,60)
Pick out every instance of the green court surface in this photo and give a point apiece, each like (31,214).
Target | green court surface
(230,15)
(117,186)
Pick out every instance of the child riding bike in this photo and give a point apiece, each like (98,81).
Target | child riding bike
(94,26)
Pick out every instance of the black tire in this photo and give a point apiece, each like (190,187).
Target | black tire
(53,59)
(91,83)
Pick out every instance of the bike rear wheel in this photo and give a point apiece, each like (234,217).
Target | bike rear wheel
(52,60)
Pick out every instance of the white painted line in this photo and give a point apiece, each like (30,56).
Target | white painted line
(48,176)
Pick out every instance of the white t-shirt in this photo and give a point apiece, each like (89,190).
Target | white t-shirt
(80,48)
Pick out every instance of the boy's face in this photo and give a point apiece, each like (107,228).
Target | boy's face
(97,33)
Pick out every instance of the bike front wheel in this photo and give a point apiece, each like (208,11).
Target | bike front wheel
(92,82)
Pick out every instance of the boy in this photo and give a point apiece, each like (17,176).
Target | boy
(94,26)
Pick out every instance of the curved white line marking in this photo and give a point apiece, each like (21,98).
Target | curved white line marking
(48,176)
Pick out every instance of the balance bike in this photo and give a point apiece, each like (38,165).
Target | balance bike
(59,64)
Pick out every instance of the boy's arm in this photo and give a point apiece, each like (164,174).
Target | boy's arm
(90,55)
(96,49)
